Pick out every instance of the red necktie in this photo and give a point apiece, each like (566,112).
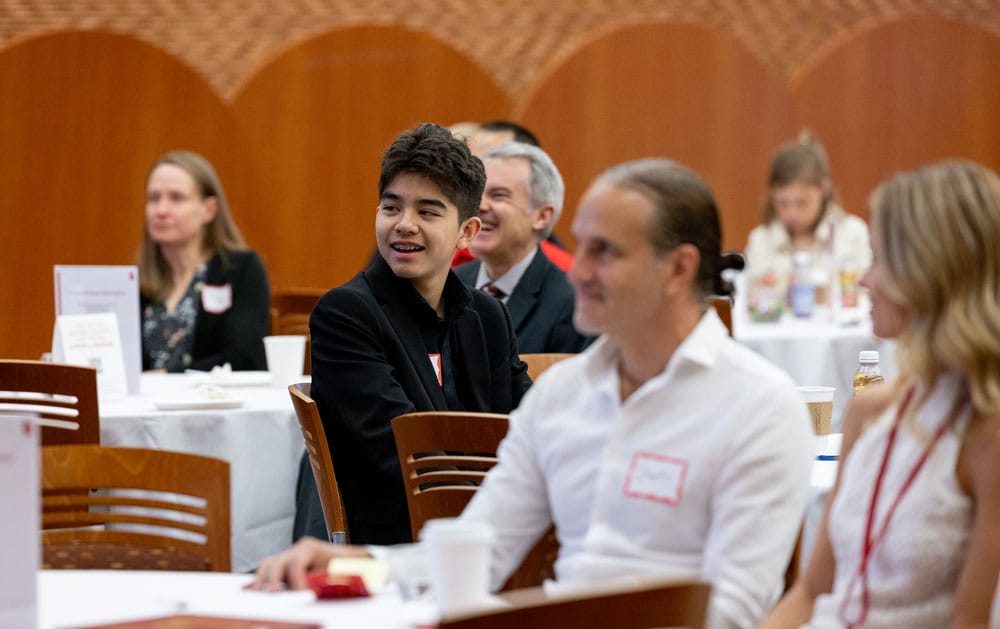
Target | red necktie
(493,290)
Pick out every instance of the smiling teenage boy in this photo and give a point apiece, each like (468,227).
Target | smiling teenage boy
(406,335)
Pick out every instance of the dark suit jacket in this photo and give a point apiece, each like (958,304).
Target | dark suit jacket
(541,308)
(236,335)
(370,364)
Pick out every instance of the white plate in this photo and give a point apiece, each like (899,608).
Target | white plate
(239,379)
(196,403)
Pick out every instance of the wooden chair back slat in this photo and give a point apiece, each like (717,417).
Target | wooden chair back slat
(318,450)
(469,441)
(53,391)
(290,311)
(664,604)
(538,363)
(89,503)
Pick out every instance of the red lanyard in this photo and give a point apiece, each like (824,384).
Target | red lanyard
(869,543)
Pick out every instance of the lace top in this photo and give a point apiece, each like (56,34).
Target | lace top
(168,337)
(913,571)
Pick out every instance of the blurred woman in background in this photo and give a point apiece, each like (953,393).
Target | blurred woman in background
(205,299)
(911,536)
(802,214)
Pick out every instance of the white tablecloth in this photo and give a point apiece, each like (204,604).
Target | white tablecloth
(817,352)
(71,598)
(261,441)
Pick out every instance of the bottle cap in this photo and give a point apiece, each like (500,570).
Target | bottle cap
(868,356)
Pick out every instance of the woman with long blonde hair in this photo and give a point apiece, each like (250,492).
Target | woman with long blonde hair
(911,536)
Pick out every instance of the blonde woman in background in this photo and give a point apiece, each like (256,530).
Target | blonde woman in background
(205,298)
(911,537)
(802,214)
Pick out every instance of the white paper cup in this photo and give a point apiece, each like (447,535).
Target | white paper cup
(458,563)
(286,355)
(408,569)
(820,402)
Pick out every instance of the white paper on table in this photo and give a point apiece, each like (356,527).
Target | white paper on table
(19,527)
(92,340)
(83,289)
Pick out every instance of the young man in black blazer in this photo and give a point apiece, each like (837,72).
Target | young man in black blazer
(406,335)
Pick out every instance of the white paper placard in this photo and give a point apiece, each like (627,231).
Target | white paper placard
(19,526)
(92,340)
(93,289)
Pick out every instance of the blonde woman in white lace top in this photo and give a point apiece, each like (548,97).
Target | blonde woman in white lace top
(911,537)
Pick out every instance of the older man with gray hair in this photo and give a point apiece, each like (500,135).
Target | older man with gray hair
(521,204)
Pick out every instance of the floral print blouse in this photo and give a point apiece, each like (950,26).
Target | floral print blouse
(168,337)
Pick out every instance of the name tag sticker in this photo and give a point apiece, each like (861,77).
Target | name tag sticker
(217,299)
(656,477)
(436,363)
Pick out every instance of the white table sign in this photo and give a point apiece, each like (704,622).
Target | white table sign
(92,340)
(19,526)
(94,289)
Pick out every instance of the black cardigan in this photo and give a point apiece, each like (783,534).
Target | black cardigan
(236,335)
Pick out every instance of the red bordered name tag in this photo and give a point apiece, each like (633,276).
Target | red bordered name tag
(436,363)
(656,477)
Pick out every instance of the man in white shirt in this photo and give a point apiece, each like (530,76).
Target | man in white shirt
(665,449)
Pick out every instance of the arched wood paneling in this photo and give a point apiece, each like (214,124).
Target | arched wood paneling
(668,90)
(82,117)
(320,116)
(83,114)
(901,95)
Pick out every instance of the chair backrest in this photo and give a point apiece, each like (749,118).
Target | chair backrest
(538,363)
(53,391)
(444,456)
(661,604)
(290,310)
(724,308)
(320,461)
(154,510)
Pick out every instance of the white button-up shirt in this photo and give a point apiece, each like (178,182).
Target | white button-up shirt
(702,473)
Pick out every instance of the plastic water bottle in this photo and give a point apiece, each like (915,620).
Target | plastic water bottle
(868,371)
(803,291)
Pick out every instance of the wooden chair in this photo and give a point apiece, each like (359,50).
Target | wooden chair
(724,308)
(444,457)
(321,462)
(177,520)
(652,604)
(290,310)
(56,392)
(538,363)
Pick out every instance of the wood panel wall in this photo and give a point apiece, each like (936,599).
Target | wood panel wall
(295,101)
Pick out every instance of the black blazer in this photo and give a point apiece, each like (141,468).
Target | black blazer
(236,335)
(370,364)
(541,307)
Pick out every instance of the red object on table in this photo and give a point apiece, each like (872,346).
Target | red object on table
(327,585)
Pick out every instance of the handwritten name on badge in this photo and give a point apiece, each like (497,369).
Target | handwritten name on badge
(217,299)
(656,477)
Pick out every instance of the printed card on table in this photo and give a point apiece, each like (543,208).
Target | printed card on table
(19,526)
(99,289)
(92,340)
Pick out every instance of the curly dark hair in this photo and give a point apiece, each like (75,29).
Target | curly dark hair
(432,151)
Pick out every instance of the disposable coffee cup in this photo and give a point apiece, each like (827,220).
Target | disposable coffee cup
(286,355)
(408,569)
(458,563)
(820,403)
